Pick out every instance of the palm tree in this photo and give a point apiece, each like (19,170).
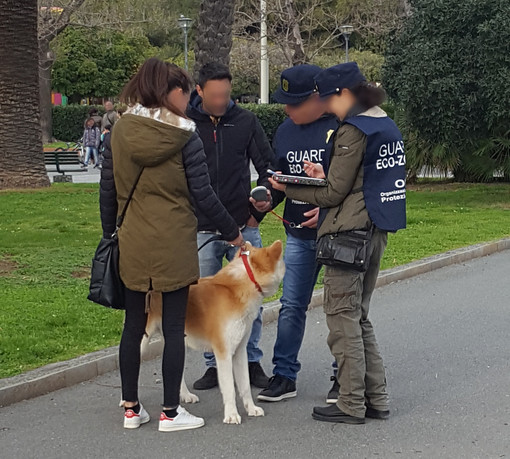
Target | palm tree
(21,152)
(214,39)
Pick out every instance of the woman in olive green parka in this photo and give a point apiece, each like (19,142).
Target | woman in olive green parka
(157,240)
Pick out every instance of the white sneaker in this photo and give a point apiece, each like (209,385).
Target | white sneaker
(133,420)
(183,421)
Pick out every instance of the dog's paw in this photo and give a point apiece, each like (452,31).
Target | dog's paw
(189,398)
(256,411)
(233,418)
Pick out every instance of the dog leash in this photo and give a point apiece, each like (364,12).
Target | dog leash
(244,256)
(291,224)
(216,237)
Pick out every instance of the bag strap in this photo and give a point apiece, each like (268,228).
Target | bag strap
(120,218)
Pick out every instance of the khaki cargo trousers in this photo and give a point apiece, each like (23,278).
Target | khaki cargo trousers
(351,339)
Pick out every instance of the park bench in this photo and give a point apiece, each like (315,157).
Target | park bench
(59,158)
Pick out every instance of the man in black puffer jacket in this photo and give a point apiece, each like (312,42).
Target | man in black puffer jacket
(232,138)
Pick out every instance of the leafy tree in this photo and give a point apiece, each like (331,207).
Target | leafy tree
(449,70)
(91,64)
(53,18)
(157,19)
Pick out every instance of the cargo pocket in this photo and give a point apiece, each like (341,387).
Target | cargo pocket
(342,290)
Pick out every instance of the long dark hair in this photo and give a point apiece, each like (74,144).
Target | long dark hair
(152,83)
(368,94)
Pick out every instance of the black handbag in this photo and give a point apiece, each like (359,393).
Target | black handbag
(346,249)
(106,287)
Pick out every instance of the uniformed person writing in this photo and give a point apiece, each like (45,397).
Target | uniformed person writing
(365,194)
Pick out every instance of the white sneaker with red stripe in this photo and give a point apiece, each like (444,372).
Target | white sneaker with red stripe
(183,421)
(133,420)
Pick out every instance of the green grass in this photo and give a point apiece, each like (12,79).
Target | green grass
(48,237)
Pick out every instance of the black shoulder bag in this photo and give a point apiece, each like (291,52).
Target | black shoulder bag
(346,249)
(106,286)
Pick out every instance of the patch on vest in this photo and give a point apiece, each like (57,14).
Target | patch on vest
(390,155)
(329,134)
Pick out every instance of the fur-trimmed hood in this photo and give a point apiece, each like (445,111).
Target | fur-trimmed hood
(151,135)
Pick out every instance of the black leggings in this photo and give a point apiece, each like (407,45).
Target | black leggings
(174,314)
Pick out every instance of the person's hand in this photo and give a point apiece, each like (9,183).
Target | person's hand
(276,185)
(262,206)
(238,241)
(313,218)
(252,222)
(314,170)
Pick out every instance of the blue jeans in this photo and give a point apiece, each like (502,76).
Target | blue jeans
(211,261)
(301,271)
(89,151)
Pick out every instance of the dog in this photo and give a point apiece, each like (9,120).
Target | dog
(219,317)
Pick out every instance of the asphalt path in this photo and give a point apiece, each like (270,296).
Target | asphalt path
(445,339)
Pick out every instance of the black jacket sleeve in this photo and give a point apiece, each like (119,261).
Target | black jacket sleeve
(276,196)
(262,157)
(201,191)
(107,191)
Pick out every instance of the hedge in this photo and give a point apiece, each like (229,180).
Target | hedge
(68,120)
(269,115)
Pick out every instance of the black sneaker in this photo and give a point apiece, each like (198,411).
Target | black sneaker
(332,413)
(257,376)
(334,392)
(372,413)
(279,389)
(208,381)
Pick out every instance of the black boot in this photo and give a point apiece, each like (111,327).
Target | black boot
(208,381)
(257,376)
(332,413)
(372,413)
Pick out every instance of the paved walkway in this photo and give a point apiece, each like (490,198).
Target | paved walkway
(445,338)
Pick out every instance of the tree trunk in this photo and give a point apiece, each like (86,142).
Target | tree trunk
(214,39)
(46,59)
(21,152)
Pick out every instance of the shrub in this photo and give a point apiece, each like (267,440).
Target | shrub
(68,120)
(269,115)
(449,72)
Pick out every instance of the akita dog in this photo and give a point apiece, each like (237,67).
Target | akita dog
(220,313)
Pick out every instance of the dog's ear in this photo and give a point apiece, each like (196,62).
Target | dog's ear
(276,249)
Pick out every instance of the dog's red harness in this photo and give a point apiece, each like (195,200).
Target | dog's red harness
(244,256)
